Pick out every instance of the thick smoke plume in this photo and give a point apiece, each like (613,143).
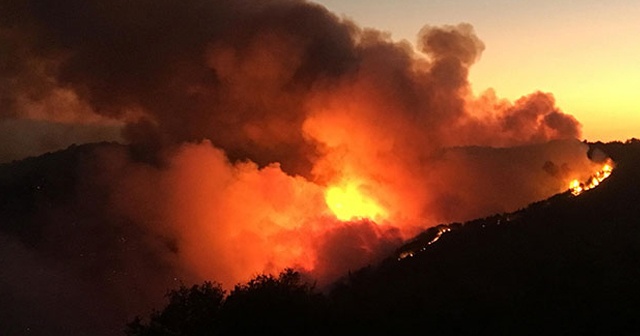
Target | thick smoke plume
(245,115)
(249,76)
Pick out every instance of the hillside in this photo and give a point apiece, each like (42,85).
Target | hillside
(70,266)
(567,265)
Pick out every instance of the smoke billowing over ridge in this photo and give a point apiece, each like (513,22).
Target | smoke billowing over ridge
(249,75)
(254,110)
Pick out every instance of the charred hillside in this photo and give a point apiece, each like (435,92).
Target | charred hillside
(566,265)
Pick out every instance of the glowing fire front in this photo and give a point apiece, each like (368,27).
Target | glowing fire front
(348,201)
(576,187)
(410,253)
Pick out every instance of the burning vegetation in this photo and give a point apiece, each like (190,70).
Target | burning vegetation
(469,283)
(348,202)
(576,187)
(274,134)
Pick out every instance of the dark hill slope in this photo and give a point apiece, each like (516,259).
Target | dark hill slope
(567,265)
(68,264)
(31,187)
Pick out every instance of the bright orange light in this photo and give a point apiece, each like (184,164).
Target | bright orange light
(577,188)
(348,202)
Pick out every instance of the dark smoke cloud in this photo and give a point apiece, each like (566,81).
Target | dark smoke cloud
(235,72)
(349,247)
(240,73)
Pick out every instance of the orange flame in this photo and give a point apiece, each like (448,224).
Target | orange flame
(349,201)
(576,187)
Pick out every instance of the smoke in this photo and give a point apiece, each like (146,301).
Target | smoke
(247,112)
(232,221)
(229,221)
(242,74)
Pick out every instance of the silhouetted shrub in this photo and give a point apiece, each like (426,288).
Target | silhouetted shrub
(191,311)
(283,305)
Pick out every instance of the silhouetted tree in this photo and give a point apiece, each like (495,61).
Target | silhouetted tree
(268,305)
(191,311)
(283,305)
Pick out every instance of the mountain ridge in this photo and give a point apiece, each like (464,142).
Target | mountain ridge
(565,265)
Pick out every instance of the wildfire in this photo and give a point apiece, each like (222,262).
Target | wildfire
(348,202)
(577,187)
(410,253)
